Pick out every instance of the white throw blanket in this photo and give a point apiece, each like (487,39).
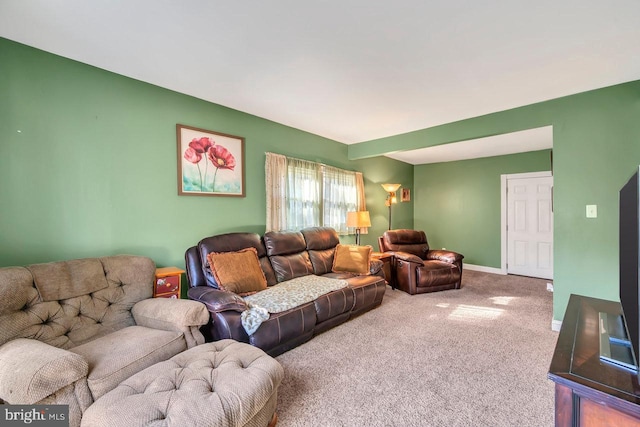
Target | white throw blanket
(285,296)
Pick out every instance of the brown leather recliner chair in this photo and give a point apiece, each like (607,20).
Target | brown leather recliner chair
(418,269)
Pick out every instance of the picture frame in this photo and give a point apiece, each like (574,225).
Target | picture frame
(405,195)
(210,163)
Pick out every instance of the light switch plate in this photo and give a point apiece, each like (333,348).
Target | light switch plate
(592,211)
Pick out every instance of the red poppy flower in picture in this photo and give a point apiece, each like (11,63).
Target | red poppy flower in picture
(221,157)
(201,145)
(209,163)
(192,155)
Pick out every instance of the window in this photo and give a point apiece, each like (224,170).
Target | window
(303,194)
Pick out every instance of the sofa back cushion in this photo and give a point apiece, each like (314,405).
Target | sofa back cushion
(69,322)
(404,240)
(288,255)
(321,244)
(233,242)
(67,279)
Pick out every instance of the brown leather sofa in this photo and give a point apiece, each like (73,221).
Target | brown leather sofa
(418,269)
(283,256)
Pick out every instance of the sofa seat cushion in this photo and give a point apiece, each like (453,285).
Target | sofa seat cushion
(117,356)
(436,273)
(333,304)
(295,325)
(344,276)
(295,292)
(331,297)
(368,293)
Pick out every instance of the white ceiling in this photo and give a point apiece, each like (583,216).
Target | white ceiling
(498,145)
(349,70)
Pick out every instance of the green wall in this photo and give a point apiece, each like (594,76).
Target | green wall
(462,212)
(596,140)
(376,171)
(88,165)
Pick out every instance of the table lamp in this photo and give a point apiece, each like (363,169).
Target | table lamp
(359,219)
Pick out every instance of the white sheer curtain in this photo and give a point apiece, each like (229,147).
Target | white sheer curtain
(275,168)
(304,183)
(340,197)
(303,194)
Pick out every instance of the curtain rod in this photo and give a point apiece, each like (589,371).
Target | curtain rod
(311,161)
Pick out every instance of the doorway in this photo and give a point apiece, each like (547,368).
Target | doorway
(527,224)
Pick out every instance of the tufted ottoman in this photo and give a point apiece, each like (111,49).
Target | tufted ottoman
(223,383)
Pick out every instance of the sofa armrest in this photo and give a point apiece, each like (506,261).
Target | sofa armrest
(217,300)
(375,266)
(446,256)
(31,370)
(173,315)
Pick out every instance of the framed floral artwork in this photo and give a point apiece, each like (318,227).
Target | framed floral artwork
(209,163)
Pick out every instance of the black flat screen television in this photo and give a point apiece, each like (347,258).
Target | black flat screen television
(629,242)
(620,335)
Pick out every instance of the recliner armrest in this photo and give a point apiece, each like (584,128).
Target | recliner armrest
(445,256)
(31,370)
(217,300)
(405,256)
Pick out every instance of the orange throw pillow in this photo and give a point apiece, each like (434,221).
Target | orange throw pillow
(352,259)
(238,272)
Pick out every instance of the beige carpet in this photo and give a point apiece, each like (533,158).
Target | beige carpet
(477,356)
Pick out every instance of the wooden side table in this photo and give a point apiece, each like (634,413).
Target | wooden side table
(387,266)
(167,284)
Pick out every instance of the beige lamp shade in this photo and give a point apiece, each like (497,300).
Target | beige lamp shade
(358,219)
(390,188)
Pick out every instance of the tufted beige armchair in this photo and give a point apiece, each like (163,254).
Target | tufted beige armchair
(71,331)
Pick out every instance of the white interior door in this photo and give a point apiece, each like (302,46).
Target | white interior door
(530,227)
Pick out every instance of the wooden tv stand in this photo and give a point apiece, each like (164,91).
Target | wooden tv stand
(588,391)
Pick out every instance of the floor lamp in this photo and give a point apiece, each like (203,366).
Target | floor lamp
(358,220)
(391,197)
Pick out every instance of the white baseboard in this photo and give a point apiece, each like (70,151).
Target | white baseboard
(555,325)
(483,269)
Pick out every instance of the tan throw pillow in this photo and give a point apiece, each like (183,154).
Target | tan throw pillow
(238,272)
(352,259)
